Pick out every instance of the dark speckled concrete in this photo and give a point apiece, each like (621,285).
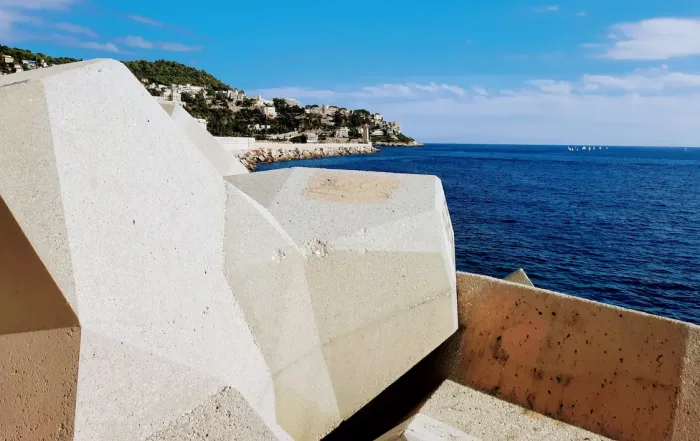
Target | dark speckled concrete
(615,372)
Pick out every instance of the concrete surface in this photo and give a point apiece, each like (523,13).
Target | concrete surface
(222,417)
(519,276)
(459,413)
(127,217)
(619,373)
(224,162)
(362,267)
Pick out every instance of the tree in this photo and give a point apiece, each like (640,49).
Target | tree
(301,139)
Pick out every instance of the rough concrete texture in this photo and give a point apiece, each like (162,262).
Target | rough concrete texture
(362,267)
(619,373)
(459,413)
(222,417)
(224,162)
(520,277)
(127,217)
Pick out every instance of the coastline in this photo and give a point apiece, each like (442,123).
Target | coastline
(266,152)
(400,144)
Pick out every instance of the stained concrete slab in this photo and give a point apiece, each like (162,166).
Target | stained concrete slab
(615,372)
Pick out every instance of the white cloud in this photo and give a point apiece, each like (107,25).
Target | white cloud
(551,8)
(581,13)
(654,39)
(656,79)
(75,29)
(144,20)
(645,107)
(71,41)
(479,91)
(551,86)
(38,4)
(142,43)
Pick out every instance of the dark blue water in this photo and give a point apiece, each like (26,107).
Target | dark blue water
(620,226)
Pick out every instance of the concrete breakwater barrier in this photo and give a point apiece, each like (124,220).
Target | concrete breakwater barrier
(276,152)
(152,289)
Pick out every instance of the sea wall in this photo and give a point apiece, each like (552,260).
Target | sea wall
(616,372)
(265,152)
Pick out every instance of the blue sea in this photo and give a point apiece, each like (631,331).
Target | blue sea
(619,225)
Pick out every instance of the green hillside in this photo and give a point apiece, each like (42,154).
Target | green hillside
(171,72)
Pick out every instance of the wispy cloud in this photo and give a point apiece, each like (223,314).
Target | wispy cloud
(581,13)
(654,79)
(644,107)
(654,39)
(141,43)
(38,4)
(551,8)
(479,91)
(144,20)
(551,86)
(75,29)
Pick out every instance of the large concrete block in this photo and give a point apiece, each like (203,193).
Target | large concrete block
(224,162)
(116,319)
(348,281)
(143,297)
(615,372)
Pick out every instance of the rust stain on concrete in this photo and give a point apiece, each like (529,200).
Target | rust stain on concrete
(38,383)
(611,371)
(350,188)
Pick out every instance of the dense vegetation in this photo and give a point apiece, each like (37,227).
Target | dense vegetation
(23,54)
(225,117)
(171,72)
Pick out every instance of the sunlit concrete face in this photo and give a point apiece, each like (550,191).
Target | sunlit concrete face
(362,268)
(115,317)
(615,372)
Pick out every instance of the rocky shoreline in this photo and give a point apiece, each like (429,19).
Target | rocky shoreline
(400,144)
(266,154)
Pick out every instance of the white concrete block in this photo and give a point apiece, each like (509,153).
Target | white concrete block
(361,265)
(224,162)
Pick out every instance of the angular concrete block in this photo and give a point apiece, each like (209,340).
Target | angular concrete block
(357,268)
(111,264)
(519,276)
(458,413)
(224,162)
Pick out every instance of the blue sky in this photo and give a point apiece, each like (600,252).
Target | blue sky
(513,71)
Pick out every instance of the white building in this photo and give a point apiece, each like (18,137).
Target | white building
(311,138)
(31,64)
(270,112)
(378,132)
(342,132)
(314,110)
(7,59)
(202,122)
(377,118)
(292,102)
(395,127)
(18,67)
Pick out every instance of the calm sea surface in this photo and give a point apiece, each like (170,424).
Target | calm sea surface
(621,225)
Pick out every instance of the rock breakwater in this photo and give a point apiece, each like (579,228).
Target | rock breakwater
(274,152)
